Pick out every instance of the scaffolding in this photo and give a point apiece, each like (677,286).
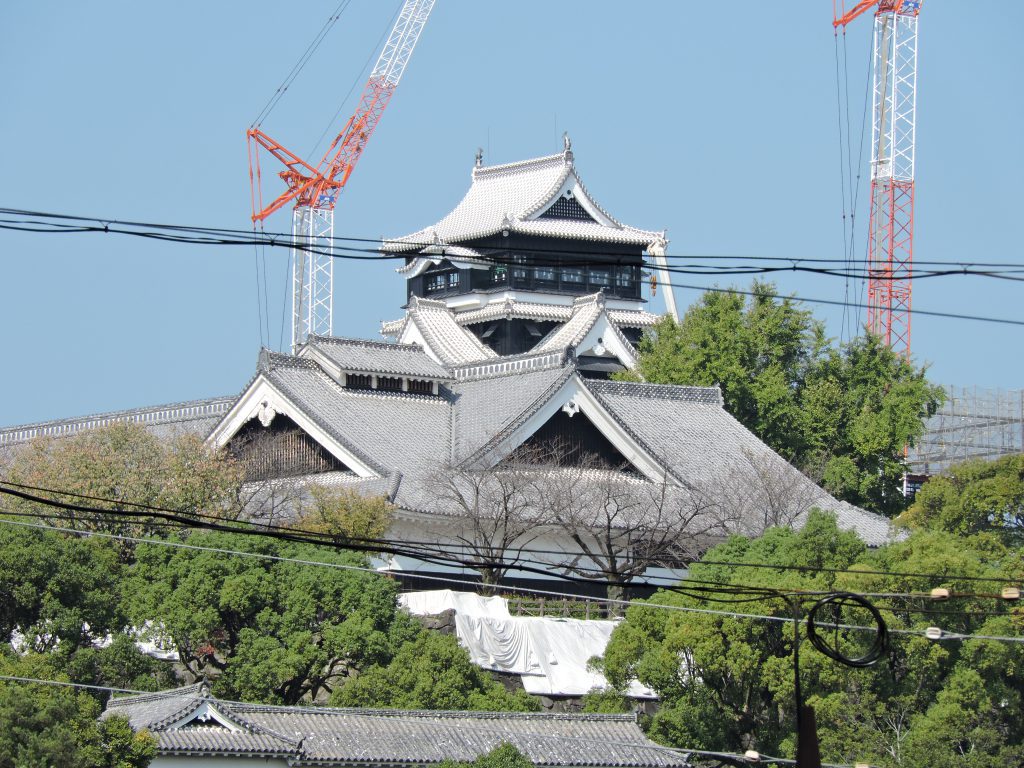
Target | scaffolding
(973,423)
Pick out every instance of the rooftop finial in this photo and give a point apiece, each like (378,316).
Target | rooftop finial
(567,141)
(479,156)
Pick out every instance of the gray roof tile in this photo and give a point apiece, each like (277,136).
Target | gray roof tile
(346,736)
(388,430)
(378,357)
(194,416)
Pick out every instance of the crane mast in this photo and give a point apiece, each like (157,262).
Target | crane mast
(315,191)
(891,226)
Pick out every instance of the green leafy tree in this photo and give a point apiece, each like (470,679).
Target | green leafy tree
(502,756)
(59,596)
(431,672)
(759,351)
(973,497)
(726,683)
(44,725)
(267,629)
(842,414)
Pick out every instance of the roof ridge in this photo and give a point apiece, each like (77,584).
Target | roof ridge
(458,714)
(495,367)
(681,392)
(522,165)
(172,693)
(350,341)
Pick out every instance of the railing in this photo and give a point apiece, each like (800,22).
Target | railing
(563,608)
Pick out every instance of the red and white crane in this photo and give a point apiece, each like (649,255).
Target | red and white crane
(891,227)
(315,191)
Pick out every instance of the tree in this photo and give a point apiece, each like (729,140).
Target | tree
(502,756)
(759,351)
(864,404)
(267,629)
(623,525)
(345,515)
(726,683)
(431,672)
(842,414)
(973,497)
(499,509)
(58,726)
(121,465)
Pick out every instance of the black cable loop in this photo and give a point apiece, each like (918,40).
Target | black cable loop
(877,650)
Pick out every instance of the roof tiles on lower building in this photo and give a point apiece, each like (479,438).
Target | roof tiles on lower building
(334,737)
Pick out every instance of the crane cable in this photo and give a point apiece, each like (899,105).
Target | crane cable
(301,63)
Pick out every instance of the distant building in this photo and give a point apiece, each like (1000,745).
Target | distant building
(521,304)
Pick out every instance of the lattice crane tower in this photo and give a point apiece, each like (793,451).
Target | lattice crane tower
(891,227)
(315,190)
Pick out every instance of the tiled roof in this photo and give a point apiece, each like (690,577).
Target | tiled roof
(509,197)
(487,409)
(332,737)
(387,430)
(446,338)
(690,431)
(457,255)
(378,357)
(512,308)
(197,416)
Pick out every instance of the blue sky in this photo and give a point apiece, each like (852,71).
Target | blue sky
(716,121)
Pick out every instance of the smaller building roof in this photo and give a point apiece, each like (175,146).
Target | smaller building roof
(190,721)
(513,197)
(196,416)
(376,357)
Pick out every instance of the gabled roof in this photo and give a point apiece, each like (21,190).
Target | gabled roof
(333,737)
(514,197)
(393,430)
(442,332)
(395,442)
(432,324)
(375,357)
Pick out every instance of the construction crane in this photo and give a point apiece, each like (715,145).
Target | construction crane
(891,227)
(315,191)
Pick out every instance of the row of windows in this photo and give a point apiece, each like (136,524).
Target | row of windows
(442,281)
(388,384)
(620,277)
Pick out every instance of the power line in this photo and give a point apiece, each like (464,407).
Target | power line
(100,224)
(941,635)
(373,544)
(247,238)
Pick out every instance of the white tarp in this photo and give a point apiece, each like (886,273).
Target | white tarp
(438,601)
(550,654)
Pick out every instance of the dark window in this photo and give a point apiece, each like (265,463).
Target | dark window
(389,383)
(572,275)
(545,274)
(600,277)
(519,272)
(453,279)
(420,387)
(499,275)
(359,381)
(435,283)
(624,277)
